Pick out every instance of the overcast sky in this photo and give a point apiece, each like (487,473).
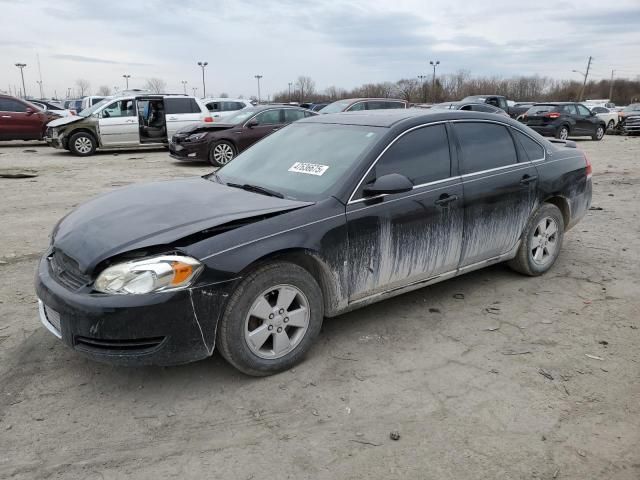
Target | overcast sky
(336,42)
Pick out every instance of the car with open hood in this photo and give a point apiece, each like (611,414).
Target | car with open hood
(128,121)
(220,142)
(328,214)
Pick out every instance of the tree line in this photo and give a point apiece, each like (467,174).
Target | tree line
(462,84)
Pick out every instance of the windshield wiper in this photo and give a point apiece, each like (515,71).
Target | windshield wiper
(257,189)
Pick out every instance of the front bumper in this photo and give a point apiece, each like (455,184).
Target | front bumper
(631,124)
(54,142)
(166,328)
(189,151)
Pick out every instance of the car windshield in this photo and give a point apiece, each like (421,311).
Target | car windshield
(91,110)
(336,107)
(304,161)
(634,107)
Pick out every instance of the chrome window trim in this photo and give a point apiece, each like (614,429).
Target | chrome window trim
(260,113)
(351,200)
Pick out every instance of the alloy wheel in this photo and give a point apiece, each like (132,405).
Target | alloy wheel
(544,243)
(83,145)
(277,321)
(223,153)
(599,133)
(564,133)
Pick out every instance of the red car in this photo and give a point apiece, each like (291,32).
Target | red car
(21,120)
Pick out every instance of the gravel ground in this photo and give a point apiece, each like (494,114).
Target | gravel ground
(491,375)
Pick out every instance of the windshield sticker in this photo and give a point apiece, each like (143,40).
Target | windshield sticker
(308,168)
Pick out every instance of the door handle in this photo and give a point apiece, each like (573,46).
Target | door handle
(445,199)
(6,116)
(173,118)
(527,179)
(131,121)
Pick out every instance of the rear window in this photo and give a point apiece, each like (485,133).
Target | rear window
(181,105)
(540,109)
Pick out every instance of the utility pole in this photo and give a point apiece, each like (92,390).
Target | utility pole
(433,80)
(69,92)
(290,83)
(184,86)
(611,86)
(21,67)
(126,78)
(204,88)
(195,91)
(40,76)
(258,77)
(39,82)
(424,90)
(584,83)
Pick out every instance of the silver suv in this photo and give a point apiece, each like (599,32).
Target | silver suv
(126,121)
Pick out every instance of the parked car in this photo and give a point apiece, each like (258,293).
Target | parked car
(520,108)
(473,107)
(607,115)
(358,104)
(22,120)
(314,107)
(51,107)
(630,119)
(564,119)
(495,100)
(73,105)
(90,101)
(331,213)
(223,107)
(127,121)
(603,102)
(220,142)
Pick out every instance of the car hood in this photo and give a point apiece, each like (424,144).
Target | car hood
(153,214)
(64,121)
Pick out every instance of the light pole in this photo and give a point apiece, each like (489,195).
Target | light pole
(433,80)
(39,82)
(21,67)
(127,77)
(184,86)
(424,90)
(204,88)
(290,83)
(195,91)
(258,77)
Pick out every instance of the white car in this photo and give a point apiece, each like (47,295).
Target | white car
(52,107)
(608,115)
(223,107)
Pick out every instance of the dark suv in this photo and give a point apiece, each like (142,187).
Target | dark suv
(564,119)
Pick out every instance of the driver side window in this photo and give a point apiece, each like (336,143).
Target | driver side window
(270,117)
(121,108)
(584,111)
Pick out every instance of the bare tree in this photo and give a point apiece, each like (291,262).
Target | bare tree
(83,86)
(156,85)
(408,89)
(104,91)
(306,87)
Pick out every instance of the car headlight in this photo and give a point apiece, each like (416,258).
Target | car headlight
(196,136)
(155,274)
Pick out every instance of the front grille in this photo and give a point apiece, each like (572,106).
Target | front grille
(66,270)
(135,345)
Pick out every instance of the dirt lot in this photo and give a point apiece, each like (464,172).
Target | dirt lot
(488,376)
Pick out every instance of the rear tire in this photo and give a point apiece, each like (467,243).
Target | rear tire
(272,319)
(599,135)
(82,144)
(563,132)
(221,153)
(541,241)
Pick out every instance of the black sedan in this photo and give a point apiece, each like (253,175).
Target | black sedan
(219,143)
(324,216)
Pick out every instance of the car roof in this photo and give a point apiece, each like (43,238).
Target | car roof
(224,99)
(391,117)
(554,103)
(352,100)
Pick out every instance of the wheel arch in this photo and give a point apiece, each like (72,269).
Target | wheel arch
(327,280)
(563,205)
(88,130)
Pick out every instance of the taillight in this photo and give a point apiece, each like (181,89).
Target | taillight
(208,119)
(589,168)
(552,115)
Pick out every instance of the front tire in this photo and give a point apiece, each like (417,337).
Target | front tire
(541,242)
(611,126)
(221,153)
(599,135)
(82,144)
(272,319)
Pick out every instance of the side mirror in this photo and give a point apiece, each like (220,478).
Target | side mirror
(252,123)
(388,184)
(29,111)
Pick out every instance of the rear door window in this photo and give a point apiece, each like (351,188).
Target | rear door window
(180,105)
(269,117)
(484,146)
(584,111)
(356,107)
(533,149)
(291,115)
(11,105)
(569,109)
(421,155)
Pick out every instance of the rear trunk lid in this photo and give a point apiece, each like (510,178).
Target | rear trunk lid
(540,115)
